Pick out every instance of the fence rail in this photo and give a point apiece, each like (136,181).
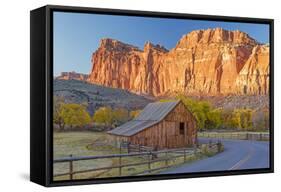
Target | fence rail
(151,157)
(135,148)
(236,135)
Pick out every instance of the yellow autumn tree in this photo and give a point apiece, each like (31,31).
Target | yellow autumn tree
(75,115)
(58,102)
(135,113)
(111,117)
(104,115)
(119,116)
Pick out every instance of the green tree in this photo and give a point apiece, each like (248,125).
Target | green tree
(261,119)
(239,119)
(209,117)
(214,119)
(247,119)
(75,115)
(235,121)
(104,115)
(227,119)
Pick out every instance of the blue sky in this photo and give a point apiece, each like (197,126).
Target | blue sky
(77,35)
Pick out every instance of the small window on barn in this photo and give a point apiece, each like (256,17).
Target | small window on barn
(181,128)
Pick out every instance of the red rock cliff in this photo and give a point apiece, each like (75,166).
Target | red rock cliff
(72,75)
(207,62)
(254,76)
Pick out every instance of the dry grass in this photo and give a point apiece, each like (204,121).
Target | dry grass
(92,144)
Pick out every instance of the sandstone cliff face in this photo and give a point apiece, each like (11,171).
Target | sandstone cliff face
(204,62)
(72,76)
(254,77)
(119,65)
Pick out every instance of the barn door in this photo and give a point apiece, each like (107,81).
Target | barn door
(181,134)
(170,134)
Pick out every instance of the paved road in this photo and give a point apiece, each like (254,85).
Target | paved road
(237,155)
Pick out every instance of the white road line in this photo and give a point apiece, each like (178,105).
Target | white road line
(242,161)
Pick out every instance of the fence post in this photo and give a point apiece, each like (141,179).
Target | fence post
(184,153)
(120,162)
(194,149)
(166,159)
(149,161)
(260,136)
(70,168)
(120,148)
(210,143)
(219,146)
(120,166)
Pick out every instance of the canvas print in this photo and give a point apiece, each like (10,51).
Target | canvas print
(136,96)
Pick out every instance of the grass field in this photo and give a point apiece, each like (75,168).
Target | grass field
(81,144)
(93,144)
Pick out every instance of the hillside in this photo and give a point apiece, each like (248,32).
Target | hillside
(74,91)
(256,102)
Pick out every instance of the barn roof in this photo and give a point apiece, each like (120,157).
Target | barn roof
(150,115)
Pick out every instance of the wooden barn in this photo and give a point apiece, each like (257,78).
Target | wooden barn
(160,125)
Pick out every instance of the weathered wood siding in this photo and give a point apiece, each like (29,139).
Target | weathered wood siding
(166,134)
(116,140)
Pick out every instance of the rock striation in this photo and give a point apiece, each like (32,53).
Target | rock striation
(203,62)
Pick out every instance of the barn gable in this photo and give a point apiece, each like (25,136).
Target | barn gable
(152,114)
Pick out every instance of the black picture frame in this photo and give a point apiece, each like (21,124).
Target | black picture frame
(41,61)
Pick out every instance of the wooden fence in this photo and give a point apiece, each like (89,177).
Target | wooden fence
(131,148)
(236,135)
(151,157)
